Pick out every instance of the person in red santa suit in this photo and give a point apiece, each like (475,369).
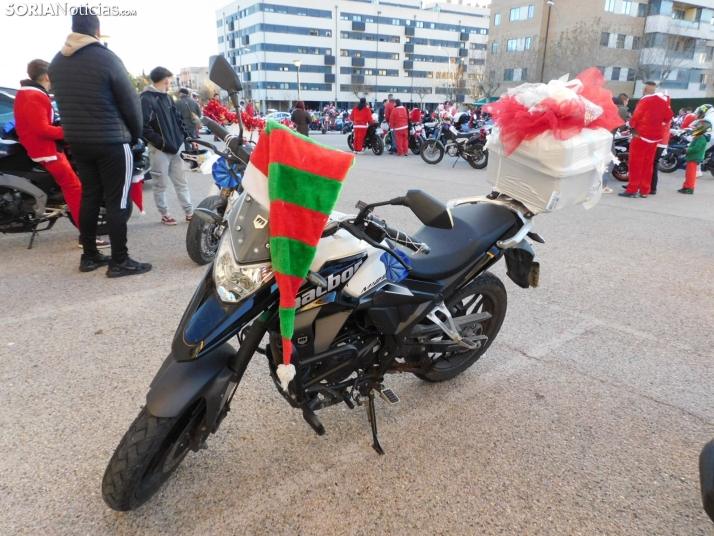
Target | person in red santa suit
(415,115)
(34,118)
(362,117)
(651,115)
(661,146)
(399,124)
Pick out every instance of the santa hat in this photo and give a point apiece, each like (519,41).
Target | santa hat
(300,181)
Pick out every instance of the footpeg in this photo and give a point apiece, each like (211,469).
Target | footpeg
(450,329)
(389,396)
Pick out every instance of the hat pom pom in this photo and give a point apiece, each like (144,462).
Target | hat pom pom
(285,374)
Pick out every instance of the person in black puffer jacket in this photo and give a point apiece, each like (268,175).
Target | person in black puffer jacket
(101,117)
(165,132)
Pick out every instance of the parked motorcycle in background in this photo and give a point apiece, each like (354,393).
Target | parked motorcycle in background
(621,150)
(372,140)
(447,140)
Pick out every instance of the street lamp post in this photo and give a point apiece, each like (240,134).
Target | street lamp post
(448,84)
(551,4)
(297,64)
(376,80)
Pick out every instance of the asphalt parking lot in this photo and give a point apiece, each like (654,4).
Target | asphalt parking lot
(585,417)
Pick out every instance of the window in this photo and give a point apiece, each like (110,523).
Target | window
(604,39)
(610,6)
(344,17)
(527,43)
(357,18)
(395,22)
(703,78)
(515,15)
(512,45)
(636,43)
(620,41)
(328,33)
(615,74)
(531,11)
(419,24)
(395,39)
(369,19)
(314,32)
(395,56)
(494,47)
(508,75)
(382,72)
(344,52)
(626,7)
(641,9)
(497,19)
(631,74)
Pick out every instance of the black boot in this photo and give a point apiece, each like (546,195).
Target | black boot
(128,267)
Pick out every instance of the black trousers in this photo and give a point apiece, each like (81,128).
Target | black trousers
(655,171)
(105,173)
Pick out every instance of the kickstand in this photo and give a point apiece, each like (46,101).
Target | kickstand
(372,415)
(457,159)
(32,238)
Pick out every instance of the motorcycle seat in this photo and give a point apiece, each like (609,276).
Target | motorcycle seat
(476,229)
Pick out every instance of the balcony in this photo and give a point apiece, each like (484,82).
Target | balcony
(464,36)
(246,76)
(409,31)
(329,60)
(409,48)
(408,65)
(329,78)
(683,28)
(358,26)
(463,53)
(231,43)
(357,62)
(245,40)
(358,79)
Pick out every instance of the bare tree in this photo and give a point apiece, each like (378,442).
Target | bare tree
(421,92)
(500,69)
(360,90)
(662,54)
(586,45)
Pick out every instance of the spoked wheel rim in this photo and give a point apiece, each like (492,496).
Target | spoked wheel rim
(621,173)
(209,242)
(430,151)
(172,451)
(474,303)
(667,163)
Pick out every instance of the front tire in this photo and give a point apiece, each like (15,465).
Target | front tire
(621,172)
(148,454)
(351,142)
(706,478)
(432,151)
(201,241)
(668,163)
(486,293)
(377,145)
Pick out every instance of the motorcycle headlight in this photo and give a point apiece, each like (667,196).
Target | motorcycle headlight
(235,281)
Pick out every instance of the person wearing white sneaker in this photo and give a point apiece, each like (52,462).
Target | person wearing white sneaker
(166,133)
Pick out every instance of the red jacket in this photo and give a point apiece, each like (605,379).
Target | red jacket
(250,110)
(361,117)
(688,120)
(388,110)
(398,118)
(415,115)
(651,115)
(33,122)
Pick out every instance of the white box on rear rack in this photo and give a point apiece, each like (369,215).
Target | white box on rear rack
(547,174)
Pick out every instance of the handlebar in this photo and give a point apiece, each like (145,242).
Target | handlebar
(401,237)
(234,144)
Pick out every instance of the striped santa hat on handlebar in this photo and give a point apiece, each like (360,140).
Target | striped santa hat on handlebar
(300,181)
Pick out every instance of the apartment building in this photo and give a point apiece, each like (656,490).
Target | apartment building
(344,49)
(669,42)
(193,77)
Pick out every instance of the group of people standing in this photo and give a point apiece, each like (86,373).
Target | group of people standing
(394,114)
(103,117)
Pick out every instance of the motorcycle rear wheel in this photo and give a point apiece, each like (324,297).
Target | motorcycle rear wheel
(201,242)
(102,226)
(706,478)
(148,454)
(351,141)
(486,293)
(476,155)
(668,163)
(432,152)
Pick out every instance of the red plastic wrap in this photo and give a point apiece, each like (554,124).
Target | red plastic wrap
(222,115)
(565,119)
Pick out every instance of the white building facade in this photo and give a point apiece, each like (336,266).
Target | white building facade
(347,49)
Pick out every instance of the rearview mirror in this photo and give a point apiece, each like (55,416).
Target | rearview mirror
(431,212)
(222,74)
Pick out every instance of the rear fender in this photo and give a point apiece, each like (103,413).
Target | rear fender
(521,267)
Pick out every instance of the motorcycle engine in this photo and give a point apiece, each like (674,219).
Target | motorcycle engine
(13,205)
(452,150)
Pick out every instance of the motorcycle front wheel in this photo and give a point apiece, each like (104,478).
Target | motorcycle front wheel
(668,163)
(485,294)
(201,241)
(148,454)
(621,172)
(351,141)
(706,478)
(377,145)
(102,226)
(432,151)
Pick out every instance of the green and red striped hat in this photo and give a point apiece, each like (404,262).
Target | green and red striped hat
(300,181)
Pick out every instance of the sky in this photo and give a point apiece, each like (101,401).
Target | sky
(172,34)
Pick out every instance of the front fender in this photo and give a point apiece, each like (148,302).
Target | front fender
(178,384)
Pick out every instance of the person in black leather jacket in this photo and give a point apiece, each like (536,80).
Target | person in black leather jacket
(165,132)
(101,118)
